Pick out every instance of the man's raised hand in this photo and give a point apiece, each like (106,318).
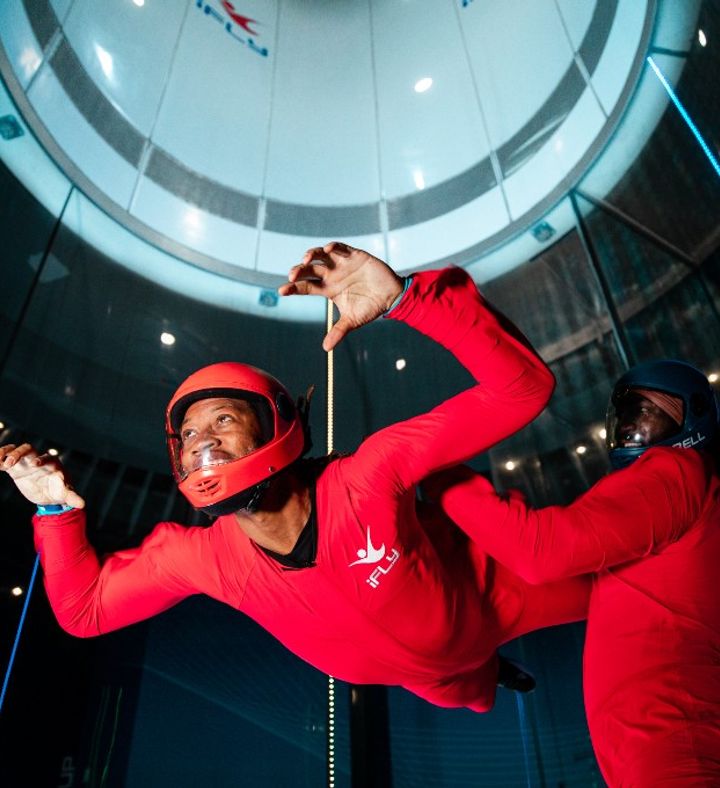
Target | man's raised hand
(361,286)
(39,477)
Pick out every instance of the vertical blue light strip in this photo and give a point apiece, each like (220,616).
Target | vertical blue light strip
(19,630)
(684,114)
(522,719)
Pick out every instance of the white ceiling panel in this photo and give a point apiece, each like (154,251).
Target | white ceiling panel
(322,138)
(215,113)
(127,51)
(425,137)
(233,135)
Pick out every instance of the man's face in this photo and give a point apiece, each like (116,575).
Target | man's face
(641,422)
(218,430)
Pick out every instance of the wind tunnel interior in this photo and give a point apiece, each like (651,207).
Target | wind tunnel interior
(605,277)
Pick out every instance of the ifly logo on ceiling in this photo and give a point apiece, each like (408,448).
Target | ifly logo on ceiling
(234,23)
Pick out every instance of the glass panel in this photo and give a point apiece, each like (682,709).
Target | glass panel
(672,188)
(663,301)
(28,230)
(537,739)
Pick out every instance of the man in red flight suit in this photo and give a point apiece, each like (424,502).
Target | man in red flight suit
(651,533)
(328,555)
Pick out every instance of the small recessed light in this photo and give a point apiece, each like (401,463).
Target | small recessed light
(167,338)
(106,61)
(400,364)
(509,465)
(419,179)
(602,434)
(194,221)
(581,449)
(53,452)
(702,38)
(713,377)
(16,591)
(423,84)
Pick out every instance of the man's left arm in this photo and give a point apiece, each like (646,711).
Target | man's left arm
(512,384)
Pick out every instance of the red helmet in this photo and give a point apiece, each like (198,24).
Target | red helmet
(211,486)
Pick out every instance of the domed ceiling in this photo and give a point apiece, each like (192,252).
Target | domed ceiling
(209,138)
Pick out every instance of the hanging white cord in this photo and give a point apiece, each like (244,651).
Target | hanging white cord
(330,381)
(330,446)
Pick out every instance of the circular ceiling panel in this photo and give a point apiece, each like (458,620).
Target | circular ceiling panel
(232,135)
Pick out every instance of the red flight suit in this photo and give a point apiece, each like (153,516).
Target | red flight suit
(392,599)
(651,535)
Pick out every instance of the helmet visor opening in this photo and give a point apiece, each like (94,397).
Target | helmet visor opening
(216,428)
(641,417)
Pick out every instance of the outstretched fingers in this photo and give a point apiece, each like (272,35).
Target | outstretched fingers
(11,454)
(338,248)
(307,277)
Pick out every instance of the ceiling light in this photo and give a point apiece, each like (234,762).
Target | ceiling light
(139,3)
(602,433)
(2,425)
(16,591)
(193,221)
(106,61)
(702,38)
(509,465)
(53,452)
(581,449)
(400,364)
(419,179)
(713,377)
(167,338)
(29,61)
(423,84)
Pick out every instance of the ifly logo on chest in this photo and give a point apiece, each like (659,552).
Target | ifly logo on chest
(232,22)
(373,555)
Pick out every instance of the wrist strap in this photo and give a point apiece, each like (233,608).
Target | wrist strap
(406,285)
(52,508)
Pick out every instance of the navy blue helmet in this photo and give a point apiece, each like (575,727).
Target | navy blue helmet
(696,425)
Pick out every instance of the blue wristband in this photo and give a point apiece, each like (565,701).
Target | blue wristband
(408,282)
(52,508)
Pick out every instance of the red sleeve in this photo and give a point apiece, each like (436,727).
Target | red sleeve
(89,598)
(474,690)
(629,514)
(513,385)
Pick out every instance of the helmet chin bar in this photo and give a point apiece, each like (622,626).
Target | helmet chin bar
(247,501)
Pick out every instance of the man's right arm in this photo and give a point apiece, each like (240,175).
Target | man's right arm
(89,597)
